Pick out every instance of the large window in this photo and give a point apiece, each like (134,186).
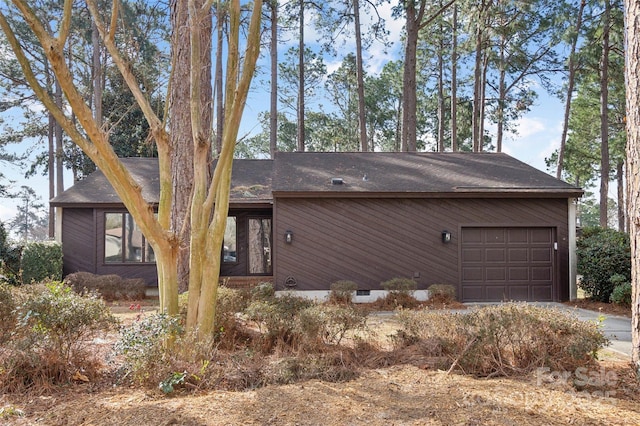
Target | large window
(123,241)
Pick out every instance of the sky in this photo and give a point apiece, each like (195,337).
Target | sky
(538,132)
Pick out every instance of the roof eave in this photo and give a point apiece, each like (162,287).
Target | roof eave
(564,193)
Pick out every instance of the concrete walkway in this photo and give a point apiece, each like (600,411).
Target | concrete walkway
(616,328)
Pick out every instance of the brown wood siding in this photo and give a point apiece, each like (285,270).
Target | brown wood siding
(372,240)
(79,240)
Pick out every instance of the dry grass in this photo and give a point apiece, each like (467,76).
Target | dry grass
(402,387)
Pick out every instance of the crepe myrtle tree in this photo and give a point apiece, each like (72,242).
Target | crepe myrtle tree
(210,196)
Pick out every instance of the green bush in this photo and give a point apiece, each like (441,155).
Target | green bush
(342,292)
(56,318)
(621,294)
(404,286)
(602,253)
(142,346)
(9,259)
(276,318)
(41,261)
(263,292)
(7,314)
(51,328)
(110,287)
(507,340)
(445,291)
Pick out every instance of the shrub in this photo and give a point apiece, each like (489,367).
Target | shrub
(10,258)
(263,292)
(404,286)
(504,340)
(400,294)
(48,343)
(602,253)
(56,318)
(111,287)
(142,346)
(41,261)
(342,291)
(7,314)
(328,324)
(276,318)
(621,294)
(446,291)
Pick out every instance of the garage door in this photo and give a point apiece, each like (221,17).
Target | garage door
(507,264)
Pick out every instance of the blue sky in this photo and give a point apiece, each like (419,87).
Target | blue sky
(538,133)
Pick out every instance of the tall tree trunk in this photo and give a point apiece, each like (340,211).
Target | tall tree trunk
(51,158)
(180,129)
(362,115)
(273,114)
(622,217)
(409,95)
(301,106)
(604,117)
(632,71)
(59,143)
(570,85)
(483,103)
(477,81)
(502,94)
(51,171)
(454,77)
(440,66)
(220,18)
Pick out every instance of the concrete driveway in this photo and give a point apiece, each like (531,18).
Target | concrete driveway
(616,328)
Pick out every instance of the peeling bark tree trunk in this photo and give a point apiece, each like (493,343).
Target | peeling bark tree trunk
(632,70)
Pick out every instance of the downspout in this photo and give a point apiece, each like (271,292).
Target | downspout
(573,259)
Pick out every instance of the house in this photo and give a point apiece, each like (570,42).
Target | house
(493,226)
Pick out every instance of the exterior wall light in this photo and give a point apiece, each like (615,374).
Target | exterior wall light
(288,237)
(446,236)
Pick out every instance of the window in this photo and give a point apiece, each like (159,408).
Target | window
(124,242)
(229,250)
(260,246)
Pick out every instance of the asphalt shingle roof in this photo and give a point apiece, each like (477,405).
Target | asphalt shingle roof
(411,173)
(361,174)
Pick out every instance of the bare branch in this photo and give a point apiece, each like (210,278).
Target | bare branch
(157,129)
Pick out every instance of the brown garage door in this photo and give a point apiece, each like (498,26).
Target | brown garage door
(507,264)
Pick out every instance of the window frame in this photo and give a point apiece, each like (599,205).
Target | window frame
(237,261)
(145,248)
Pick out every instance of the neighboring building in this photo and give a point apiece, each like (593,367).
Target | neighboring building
(492,226)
